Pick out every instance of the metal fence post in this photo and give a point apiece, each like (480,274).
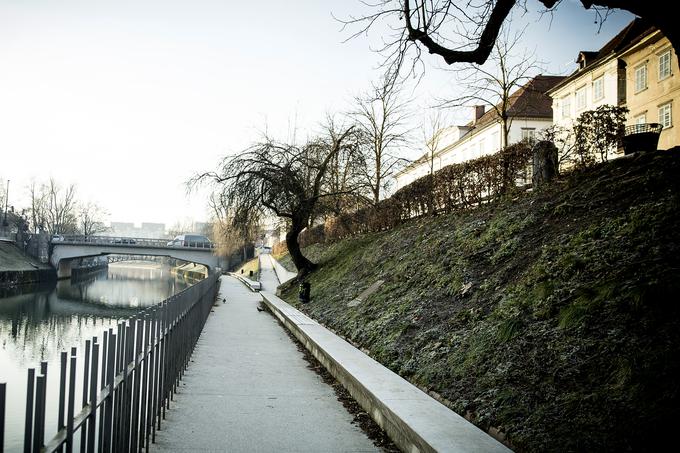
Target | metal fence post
(94,369)
(3,393)
(86,377)
(62,393)
(71,402)
(28,426)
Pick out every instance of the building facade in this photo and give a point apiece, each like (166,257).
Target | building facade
(530,111)
(636,69)
(653,86)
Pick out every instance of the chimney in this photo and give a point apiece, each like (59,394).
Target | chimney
(479,112)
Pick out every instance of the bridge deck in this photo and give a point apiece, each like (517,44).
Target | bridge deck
(249,389)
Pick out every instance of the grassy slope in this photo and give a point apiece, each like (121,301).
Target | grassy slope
(12,259)
(552,317)
(252,265)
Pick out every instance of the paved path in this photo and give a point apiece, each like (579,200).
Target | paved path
(249,389)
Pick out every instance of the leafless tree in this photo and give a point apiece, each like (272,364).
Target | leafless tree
(38,209)
(2,196)
(461,31)
(434,131)
(563,138)
(61,208)
(382,115)
(493,84)
(180,227)
(282,179)
(344,175)
(53,207)
(228,237)
(91,219)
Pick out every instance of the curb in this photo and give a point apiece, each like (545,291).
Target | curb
(413,420)
(253,285)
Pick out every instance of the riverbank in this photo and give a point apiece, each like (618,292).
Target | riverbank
(191,272)
(548,320)
(17,268)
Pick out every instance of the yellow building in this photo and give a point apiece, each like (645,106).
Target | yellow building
(653,85)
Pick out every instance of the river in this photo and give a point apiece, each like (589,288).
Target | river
(37,323)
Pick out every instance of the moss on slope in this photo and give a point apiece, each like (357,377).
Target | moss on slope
(552,317)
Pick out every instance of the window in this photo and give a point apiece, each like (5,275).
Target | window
(665,115)
(641,78)
(664,64)
(482,147)
(566,107)
(529,134)
(495,141)
(598,88)
(640,120)
(581,98)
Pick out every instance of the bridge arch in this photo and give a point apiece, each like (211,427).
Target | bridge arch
(64,252)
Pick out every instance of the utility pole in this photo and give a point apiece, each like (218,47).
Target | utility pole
(4,222)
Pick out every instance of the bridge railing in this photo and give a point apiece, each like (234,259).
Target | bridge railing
(128,241)
(129,379)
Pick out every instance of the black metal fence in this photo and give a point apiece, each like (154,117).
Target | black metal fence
(128,380)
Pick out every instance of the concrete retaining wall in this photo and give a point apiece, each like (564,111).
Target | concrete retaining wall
(414,421)
(281,272)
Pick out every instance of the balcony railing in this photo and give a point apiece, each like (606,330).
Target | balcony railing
(641,137)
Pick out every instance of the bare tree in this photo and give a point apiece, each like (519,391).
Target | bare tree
(61,208)
(494,83)
(465,32)
(179,227)
(282,179)
(563,139)
(91,219)
(53,208)
(228,237)
(344,175)
(2,197)
(38,209)
(433,131)
(382,116)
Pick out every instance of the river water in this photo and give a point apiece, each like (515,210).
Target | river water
(37,324)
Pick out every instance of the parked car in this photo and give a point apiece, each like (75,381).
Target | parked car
(57,238)
(124,241)
(191,240)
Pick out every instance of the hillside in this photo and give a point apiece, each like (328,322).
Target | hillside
(12,259)
(552,317)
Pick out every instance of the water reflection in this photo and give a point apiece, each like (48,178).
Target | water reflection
(39,323)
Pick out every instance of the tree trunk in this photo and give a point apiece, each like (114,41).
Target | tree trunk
(545,163)
(302,264)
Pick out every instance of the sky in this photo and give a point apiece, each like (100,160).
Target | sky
(129,99)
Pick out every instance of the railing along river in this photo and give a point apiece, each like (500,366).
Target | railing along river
(128,379)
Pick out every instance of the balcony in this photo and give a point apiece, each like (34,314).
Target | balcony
(641,138)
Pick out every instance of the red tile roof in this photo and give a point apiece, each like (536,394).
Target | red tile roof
(529,101)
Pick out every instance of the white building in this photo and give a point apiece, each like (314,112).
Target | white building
(599,80)
(530,111)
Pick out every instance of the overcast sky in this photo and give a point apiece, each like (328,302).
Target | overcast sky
(128,99)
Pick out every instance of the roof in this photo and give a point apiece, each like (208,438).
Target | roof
(529,101)
(631,34)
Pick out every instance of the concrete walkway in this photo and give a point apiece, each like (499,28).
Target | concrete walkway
(249,389)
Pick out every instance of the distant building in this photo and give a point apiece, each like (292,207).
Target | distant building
(128,229)
(530,111)
(636,69)
(152,230)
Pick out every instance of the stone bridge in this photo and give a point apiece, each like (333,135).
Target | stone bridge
(67,248)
